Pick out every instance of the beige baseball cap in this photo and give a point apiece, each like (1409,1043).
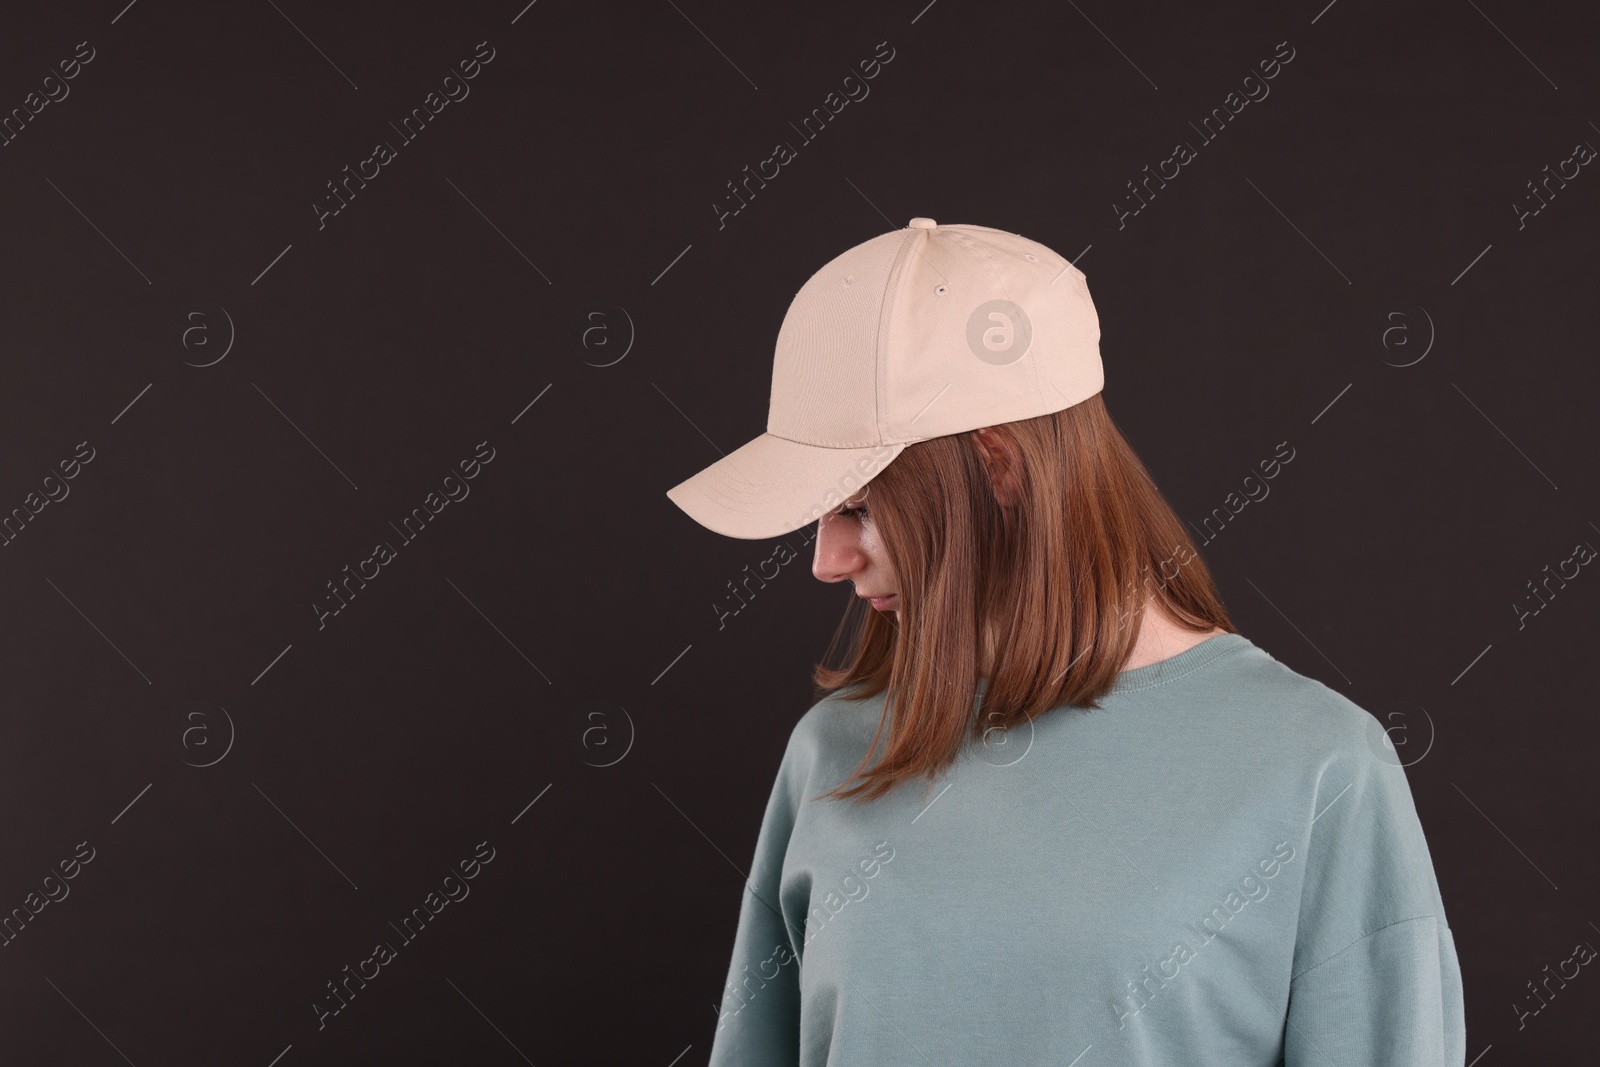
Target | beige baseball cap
(918,333)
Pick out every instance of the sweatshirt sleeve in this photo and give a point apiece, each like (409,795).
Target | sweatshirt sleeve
(1376,981)
(759,1021)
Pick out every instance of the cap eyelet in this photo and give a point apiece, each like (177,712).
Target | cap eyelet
(848,278)
(1030,257)
(940,289)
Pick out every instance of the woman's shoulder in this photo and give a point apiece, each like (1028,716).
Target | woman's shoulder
(1267,693)
(841,722)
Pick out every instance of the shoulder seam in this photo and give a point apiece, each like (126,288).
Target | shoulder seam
(1398,922)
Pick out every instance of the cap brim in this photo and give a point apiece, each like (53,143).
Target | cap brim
(771,485)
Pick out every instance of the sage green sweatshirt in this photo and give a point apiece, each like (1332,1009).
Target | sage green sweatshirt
(1222,865)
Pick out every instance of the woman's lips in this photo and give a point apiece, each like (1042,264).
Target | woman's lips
(881,602)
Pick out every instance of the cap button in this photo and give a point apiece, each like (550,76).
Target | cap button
(923,224)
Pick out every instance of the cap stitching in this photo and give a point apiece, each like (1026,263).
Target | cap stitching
(841,448)
(989,262)
(891,293)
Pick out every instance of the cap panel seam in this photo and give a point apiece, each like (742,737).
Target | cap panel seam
(891,294)
(838,448)
(1002,279)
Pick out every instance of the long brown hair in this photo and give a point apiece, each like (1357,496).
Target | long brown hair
(1060,580)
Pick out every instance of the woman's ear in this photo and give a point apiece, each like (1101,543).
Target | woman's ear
(1000,457)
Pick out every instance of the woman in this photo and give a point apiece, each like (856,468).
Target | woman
(1054,808)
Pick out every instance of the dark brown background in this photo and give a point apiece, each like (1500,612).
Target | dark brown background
(566,607)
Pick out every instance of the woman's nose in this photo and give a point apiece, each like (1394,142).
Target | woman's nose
(837,556)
